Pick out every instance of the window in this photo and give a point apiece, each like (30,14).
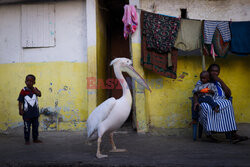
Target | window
(183,13)
(38,25)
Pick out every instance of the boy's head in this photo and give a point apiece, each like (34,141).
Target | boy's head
(204,77)
(30,80)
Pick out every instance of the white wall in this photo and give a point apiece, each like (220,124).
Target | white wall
(10,33)
(91,22)
(71,35)
(225,10)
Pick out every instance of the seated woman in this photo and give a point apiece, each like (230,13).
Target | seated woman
(223,121)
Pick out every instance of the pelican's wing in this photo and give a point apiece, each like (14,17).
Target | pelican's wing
(99,114)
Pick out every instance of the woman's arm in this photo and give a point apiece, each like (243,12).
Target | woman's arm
(195,101)
(224,86)
(196,94)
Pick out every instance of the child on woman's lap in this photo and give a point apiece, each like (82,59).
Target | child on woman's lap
(206,91)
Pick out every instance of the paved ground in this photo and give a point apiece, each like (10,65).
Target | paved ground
(71,149)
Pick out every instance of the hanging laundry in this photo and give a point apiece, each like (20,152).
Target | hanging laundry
(212,52)
(189,35)
(210,27)
(240,37)
(160,31)
(130,20)
(205,47)
(164,64)
(219,48)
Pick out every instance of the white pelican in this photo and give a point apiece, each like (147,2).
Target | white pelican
(112,113)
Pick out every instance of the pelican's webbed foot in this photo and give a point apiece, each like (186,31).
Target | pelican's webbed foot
(114,149)
(98,155)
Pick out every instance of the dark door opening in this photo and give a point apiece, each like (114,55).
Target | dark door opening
(117,47)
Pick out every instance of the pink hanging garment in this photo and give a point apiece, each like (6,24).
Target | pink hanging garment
(130,20)
(212,52)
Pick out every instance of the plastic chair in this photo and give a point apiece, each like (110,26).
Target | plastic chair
(200,130)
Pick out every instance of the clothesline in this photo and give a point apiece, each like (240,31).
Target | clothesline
(158,45)
(184,18)
(153,12)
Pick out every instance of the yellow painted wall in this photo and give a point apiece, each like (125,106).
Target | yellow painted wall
(63,87)
(169,106)
(101,27)
(92,73)
(142,114)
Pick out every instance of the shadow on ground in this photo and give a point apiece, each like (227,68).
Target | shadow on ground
(72,149)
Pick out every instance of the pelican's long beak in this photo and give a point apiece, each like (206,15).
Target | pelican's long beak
(131,71)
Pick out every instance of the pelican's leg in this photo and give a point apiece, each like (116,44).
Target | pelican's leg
(114,149)
(98,153)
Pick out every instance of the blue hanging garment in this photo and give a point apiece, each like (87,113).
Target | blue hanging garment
(240,37)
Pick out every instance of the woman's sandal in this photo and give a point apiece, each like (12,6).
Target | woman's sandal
(238,139)
(212,139)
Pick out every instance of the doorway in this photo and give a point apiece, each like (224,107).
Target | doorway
(117,47)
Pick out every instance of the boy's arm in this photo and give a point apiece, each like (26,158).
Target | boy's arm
(20,107)
(212,89)
(20,102)
(211,92)
(196,89)
(37,92)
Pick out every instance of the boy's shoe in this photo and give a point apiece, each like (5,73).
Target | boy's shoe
(27,143)
(37,141)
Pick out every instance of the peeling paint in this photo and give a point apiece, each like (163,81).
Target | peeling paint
(65,88)
(182,76)
(49,117)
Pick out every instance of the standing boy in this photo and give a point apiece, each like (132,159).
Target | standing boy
(28,108)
